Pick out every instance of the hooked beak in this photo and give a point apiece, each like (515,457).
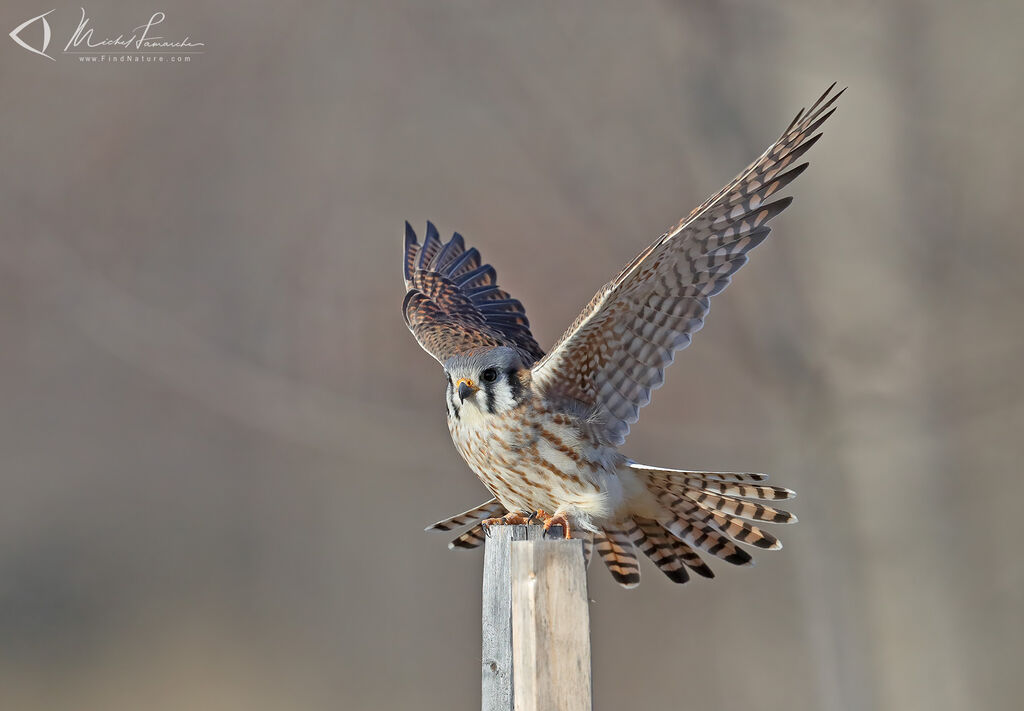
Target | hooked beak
(466,388)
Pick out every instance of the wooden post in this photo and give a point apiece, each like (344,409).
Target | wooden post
(536,622)
(496,683)
(550,627)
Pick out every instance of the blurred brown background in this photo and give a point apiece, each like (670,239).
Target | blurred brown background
(219,445)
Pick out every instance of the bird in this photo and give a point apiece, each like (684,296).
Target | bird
(542,430)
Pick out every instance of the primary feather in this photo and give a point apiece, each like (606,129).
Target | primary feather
(616,351)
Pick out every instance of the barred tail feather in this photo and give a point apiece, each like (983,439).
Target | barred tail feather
(691,558)
(735,528)
(660,547)
(470,539)
(477,513)
(709,511)
(738,507)
(707,538)
(682,485)
(476,535)
(732,483)
(700,474)
(617,551)
(588,548)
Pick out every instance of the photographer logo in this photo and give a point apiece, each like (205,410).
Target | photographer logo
(143,43)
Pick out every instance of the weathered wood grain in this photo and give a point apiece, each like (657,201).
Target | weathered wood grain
(496,671)
(550,626)
(497,658)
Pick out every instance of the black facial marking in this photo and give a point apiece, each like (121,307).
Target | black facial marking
(453,407)
(489,390)
(515,386)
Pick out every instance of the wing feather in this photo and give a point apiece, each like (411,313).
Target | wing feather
(616,351)
(453,303)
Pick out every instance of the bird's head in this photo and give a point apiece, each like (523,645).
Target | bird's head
(486,382)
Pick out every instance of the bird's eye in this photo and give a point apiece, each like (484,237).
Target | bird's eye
(489,375)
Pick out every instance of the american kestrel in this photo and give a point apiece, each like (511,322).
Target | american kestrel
(542,431)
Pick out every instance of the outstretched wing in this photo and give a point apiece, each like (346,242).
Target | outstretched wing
(454,305)
(616,351)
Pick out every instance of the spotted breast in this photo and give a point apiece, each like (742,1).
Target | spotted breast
(533,458)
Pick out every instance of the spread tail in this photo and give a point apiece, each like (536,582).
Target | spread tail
(696,510)
(709,511)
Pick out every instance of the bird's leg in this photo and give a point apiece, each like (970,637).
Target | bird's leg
(514,518)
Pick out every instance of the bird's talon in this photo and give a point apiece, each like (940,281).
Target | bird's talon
(558,520)
(515,518)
